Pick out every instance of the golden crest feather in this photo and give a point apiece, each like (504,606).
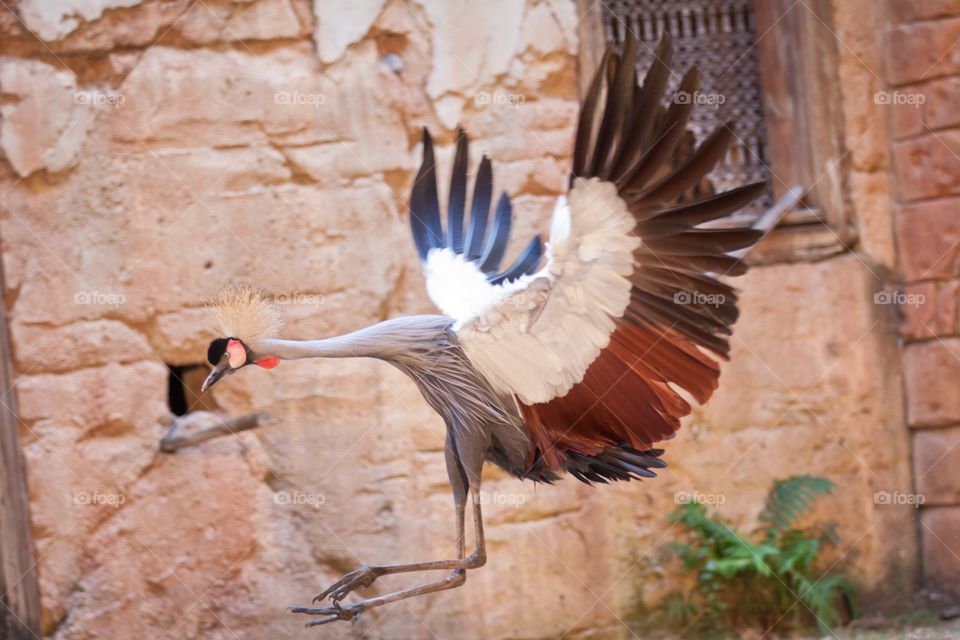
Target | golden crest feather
(245,313)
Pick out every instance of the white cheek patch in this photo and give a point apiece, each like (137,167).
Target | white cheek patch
(236,353)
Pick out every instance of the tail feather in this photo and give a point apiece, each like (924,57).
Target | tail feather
(621,463)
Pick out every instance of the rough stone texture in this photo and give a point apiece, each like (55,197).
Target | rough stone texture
(928,167)
(340,24)
(942,106)
(860,29)
(936,458)
(930,310)
(919,320)
(474,42)
(45,118)
(932,370)
(928,235)
(923,50)
(815,392)
(139,23)
(41,349)
(907,119)
(923,9)
(872,205)
(54,20)
(940,535)
(265,142)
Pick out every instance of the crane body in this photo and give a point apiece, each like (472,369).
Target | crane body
(570,360)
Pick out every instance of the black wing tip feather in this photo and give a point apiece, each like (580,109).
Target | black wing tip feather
(601,148)
(499,235)
(619,138)
(424,208)
(479,244)
(629,135)
(621,463)
(479,209)
(525,264)
(457,198)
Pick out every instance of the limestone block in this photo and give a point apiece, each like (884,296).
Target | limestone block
(927,234)
(936,458)
(44,118)
(931,370)
(940,533)
(340,24)
(55,19)
(42,349)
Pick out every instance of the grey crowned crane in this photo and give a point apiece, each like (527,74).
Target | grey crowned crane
(569,367)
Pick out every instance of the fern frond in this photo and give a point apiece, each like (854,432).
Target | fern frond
(790,499)
(763,578)
(822,598)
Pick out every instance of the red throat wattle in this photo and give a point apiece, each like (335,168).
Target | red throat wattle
(267,362)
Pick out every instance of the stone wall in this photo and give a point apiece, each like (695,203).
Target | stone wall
(153,151)
(924,68)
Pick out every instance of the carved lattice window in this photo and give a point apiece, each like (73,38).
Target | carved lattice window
(719,37)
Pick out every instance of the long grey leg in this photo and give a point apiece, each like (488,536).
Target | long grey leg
(365,576)
(456,578)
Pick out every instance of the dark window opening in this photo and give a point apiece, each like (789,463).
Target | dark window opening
(183,389)
(176,394)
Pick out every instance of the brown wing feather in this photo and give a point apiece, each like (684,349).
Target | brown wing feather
(679,310)
(624,398)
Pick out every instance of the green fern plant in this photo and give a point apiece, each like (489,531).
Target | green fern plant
(767,579)
(790,499)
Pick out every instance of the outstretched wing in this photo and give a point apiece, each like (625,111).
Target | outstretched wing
(629,303)
(462,266)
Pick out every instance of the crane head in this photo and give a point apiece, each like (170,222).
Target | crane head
(229,355)
(245,316)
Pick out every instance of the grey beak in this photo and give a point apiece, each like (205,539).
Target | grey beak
(221,370)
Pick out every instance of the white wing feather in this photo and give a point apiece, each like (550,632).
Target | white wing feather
(458,287)
(536,337)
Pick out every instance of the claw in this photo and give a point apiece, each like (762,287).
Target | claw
(331,614)
(310,611)
(350,582)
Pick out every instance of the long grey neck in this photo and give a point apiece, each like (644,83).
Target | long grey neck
(390,340)
(345,346)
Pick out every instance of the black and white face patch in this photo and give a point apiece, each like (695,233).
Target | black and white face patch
(236,352)
(216,350)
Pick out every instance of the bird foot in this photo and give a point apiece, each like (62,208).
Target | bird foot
(330,614)
(357,579)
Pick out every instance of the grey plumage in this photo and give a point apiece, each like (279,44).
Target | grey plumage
(425,348)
